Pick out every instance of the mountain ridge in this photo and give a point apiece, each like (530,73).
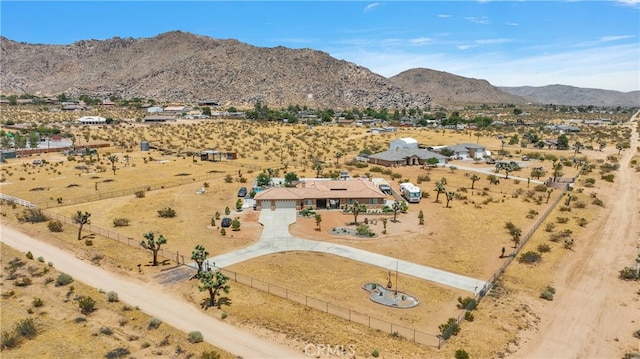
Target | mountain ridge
(179,66)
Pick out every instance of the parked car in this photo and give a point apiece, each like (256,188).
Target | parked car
(385,188)
(491,161)
(242,192)
(226,222)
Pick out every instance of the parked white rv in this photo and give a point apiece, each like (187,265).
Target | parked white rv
(411,192)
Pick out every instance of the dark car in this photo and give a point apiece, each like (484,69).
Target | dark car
(226,222)
(242,192)
(385,188)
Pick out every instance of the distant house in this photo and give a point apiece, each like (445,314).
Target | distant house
(405,157)
(322,194)
(157,118)
(465,151)
(74,108)
(155,109)
(216,156)
(175,109)
(208,103)
(92,120)
(404,152)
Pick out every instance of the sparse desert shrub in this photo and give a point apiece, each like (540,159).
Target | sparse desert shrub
(468,316)
(112,297)
(23,282)
(41,260)
(106,330)
(549,227)
(579,204)
(139,194)
(9,340)
(530,257)
(608,177)
(37,302)
(467,303)
(210,355)
(450,328)
(582,222)
(55,226)
(461,354)
(562,219)
(375,353)
(26,328)
(29,255)
(63,279)
(195,337)
(117,353)
(154,323)
(598,202)
(87,305)
(120,222)
(546,295)
(33,215)
(167,212)
(629,273)
(544,248)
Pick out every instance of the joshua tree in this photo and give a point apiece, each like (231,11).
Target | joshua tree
(493,179)
(318,167)
(213,282)
(450,196)
(397,207)
(338,156)
(621,146)
(515,236)
(153,244)
(549,191)
(474,179)
(81,219)
(356,208)
(199,255)
(577,147)
(557,169)
(440,188)
(113,159)
(318,218)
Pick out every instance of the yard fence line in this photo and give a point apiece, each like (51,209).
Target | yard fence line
(173,256)
(350,315)
(497,274)
(344,313)
(16,200)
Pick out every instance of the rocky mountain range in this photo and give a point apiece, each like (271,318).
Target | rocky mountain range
(183,67)
(575,96)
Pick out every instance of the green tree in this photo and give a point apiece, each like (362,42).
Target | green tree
(538,172)
(356,208)
(290,178)
(263,179)
(206,110)
(235,224)
(81,219)
(87,305)
(34,140)
(421,217)
(493,179)
(213,282)
(239,204)
(153,245)
(622,146)
(563,142)
(433,162)
(199,255)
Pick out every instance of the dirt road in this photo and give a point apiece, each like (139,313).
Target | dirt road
(594,313)
(151,300)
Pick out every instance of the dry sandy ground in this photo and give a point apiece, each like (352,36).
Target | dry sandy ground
(594,313)
(152,300)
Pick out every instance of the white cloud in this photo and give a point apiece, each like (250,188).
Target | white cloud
(492,41)
(444,16)
(371,6)
(420,40)
(464,47)
(482,20)
(512,24)
(615,38)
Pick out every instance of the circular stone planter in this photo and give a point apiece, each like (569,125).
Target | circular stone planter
(390,297)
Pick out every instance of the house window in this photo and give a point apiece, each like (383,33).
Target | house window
(308,202)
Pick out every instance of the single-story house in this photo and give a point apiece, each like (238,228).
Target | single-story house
(175,109)
(403,143)
(92,120)
(213,155)
(322,194)
(155,109)
(405,157)
(465,151)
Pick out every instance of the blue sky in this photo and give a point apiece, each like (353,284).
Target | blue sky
(594,44)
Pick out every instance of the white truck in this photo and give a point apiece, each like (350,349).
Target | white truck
(411,192)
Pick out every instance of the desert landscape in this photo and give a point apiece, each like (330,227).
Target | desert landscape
(550,255)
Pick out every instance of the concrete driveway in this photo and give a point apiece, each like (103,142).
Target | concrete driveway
(276,238)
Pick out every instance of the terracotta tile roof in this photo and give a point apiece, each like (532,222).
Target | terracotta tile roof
(329,189)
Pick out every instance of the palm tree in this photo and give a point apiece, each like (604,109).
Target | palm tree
(474,178)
